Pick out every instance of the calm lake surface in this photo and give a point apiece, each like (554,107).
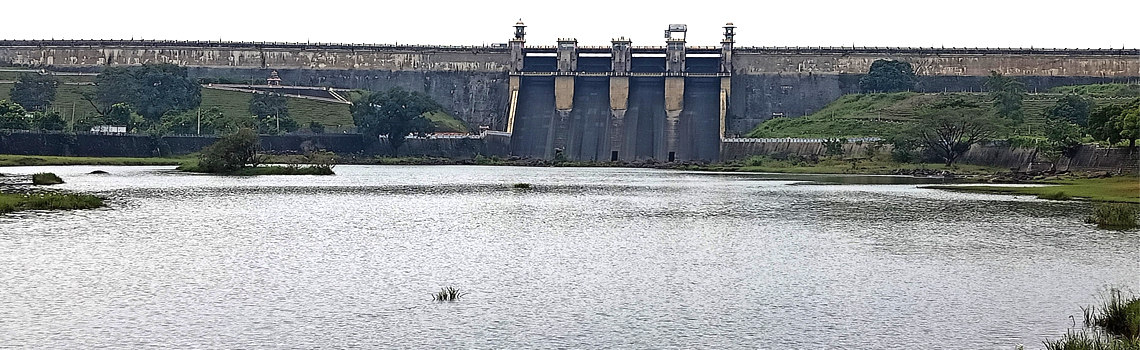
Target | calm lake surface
(588,258)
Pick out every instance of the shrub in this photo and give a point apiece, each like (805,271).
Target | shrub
(1057,196)
(46,179)
(230,153)
(1118,216)
(447,294)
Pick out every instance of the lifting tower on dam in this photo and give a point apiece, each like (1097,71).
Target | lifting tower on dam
(620,102)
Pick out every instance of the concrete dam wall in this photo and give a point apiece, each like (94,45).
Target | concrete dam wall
(596,103)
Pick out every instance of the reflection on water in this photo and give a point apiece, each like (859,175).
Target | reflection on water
(588,258)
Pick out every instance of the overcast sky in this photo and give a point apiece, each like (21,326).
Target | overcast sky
(968,23)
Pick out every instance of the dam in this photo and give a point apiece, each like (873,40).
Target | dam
(667,101)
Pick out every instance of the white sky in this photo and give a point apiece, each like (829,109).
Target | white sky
(962,23)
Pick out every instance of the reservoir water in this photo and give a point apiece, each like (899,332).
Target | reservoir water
(586,258)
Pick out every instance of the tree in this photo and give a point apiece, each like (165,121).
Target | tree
(118,114)
(1101,126)
(164,88)
(1062,138)
(1129,125)
(49,121)
(34,92)
(948,128)
(394,113)
(272,111)
(230,153)
(316,127)
(888,76)
(1006,94)
(13,116)
(152,90)
(1072,108)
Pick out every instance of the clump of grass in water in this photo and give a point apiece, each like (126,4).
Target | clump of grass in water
(1116,216)
(522,185)
(46,179)
(1114,325)
(447,294)
(1117,315)
(1057,196)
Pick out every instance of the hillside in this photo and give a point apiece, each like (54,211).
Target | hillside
(335,116)
(882,115)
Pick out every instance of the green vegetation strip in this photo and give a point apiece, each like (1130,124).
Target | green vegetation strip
(1125,189)
(290,169)
(10,202)
(11,160)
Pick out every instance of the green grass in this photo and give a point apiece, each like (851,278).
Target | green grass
(846,166)
(13,160)
(447,294)
(46,179)
(1125,189)
(1112,325)
(1114,216)
(446,123)
(291,169)
(10,202)
(1099,90)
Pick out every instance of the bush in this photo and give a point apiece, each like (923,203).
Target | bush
(230,153)
(46,179)
(1057,196)
(1118,216)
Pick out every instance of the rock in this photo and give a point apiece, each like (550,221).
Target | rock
(98,172)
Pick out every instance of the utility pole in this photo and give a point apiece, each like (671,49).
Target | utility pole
(199,120)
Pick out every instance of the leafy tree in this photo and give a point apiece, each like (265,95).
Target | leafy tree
(230,153)
(948,128)
(316,127)
(888,76)
(118,114)
(1072,108)
(113,85)
(13,116)
(152,90)
(164,88)
(1062,138)
(49,121)
(1101,127)
(395,113)
(1129,125)
(1007,95)
(272,112)
(34,91)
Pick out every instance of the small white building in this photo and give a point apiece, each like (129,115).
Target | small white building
(109,129)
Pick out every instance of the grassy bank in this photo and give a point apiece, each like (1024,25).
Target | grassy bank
(1125,189)
(290,169)
(10,202)
(11,160)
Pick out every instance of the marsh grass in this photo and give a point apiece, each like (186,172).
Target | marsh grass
(1112,325)
(290,169)
(10,202)
(46,179)
(1057,196)
(1114,216)
(1117,315)
(447,294)
(522,185)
